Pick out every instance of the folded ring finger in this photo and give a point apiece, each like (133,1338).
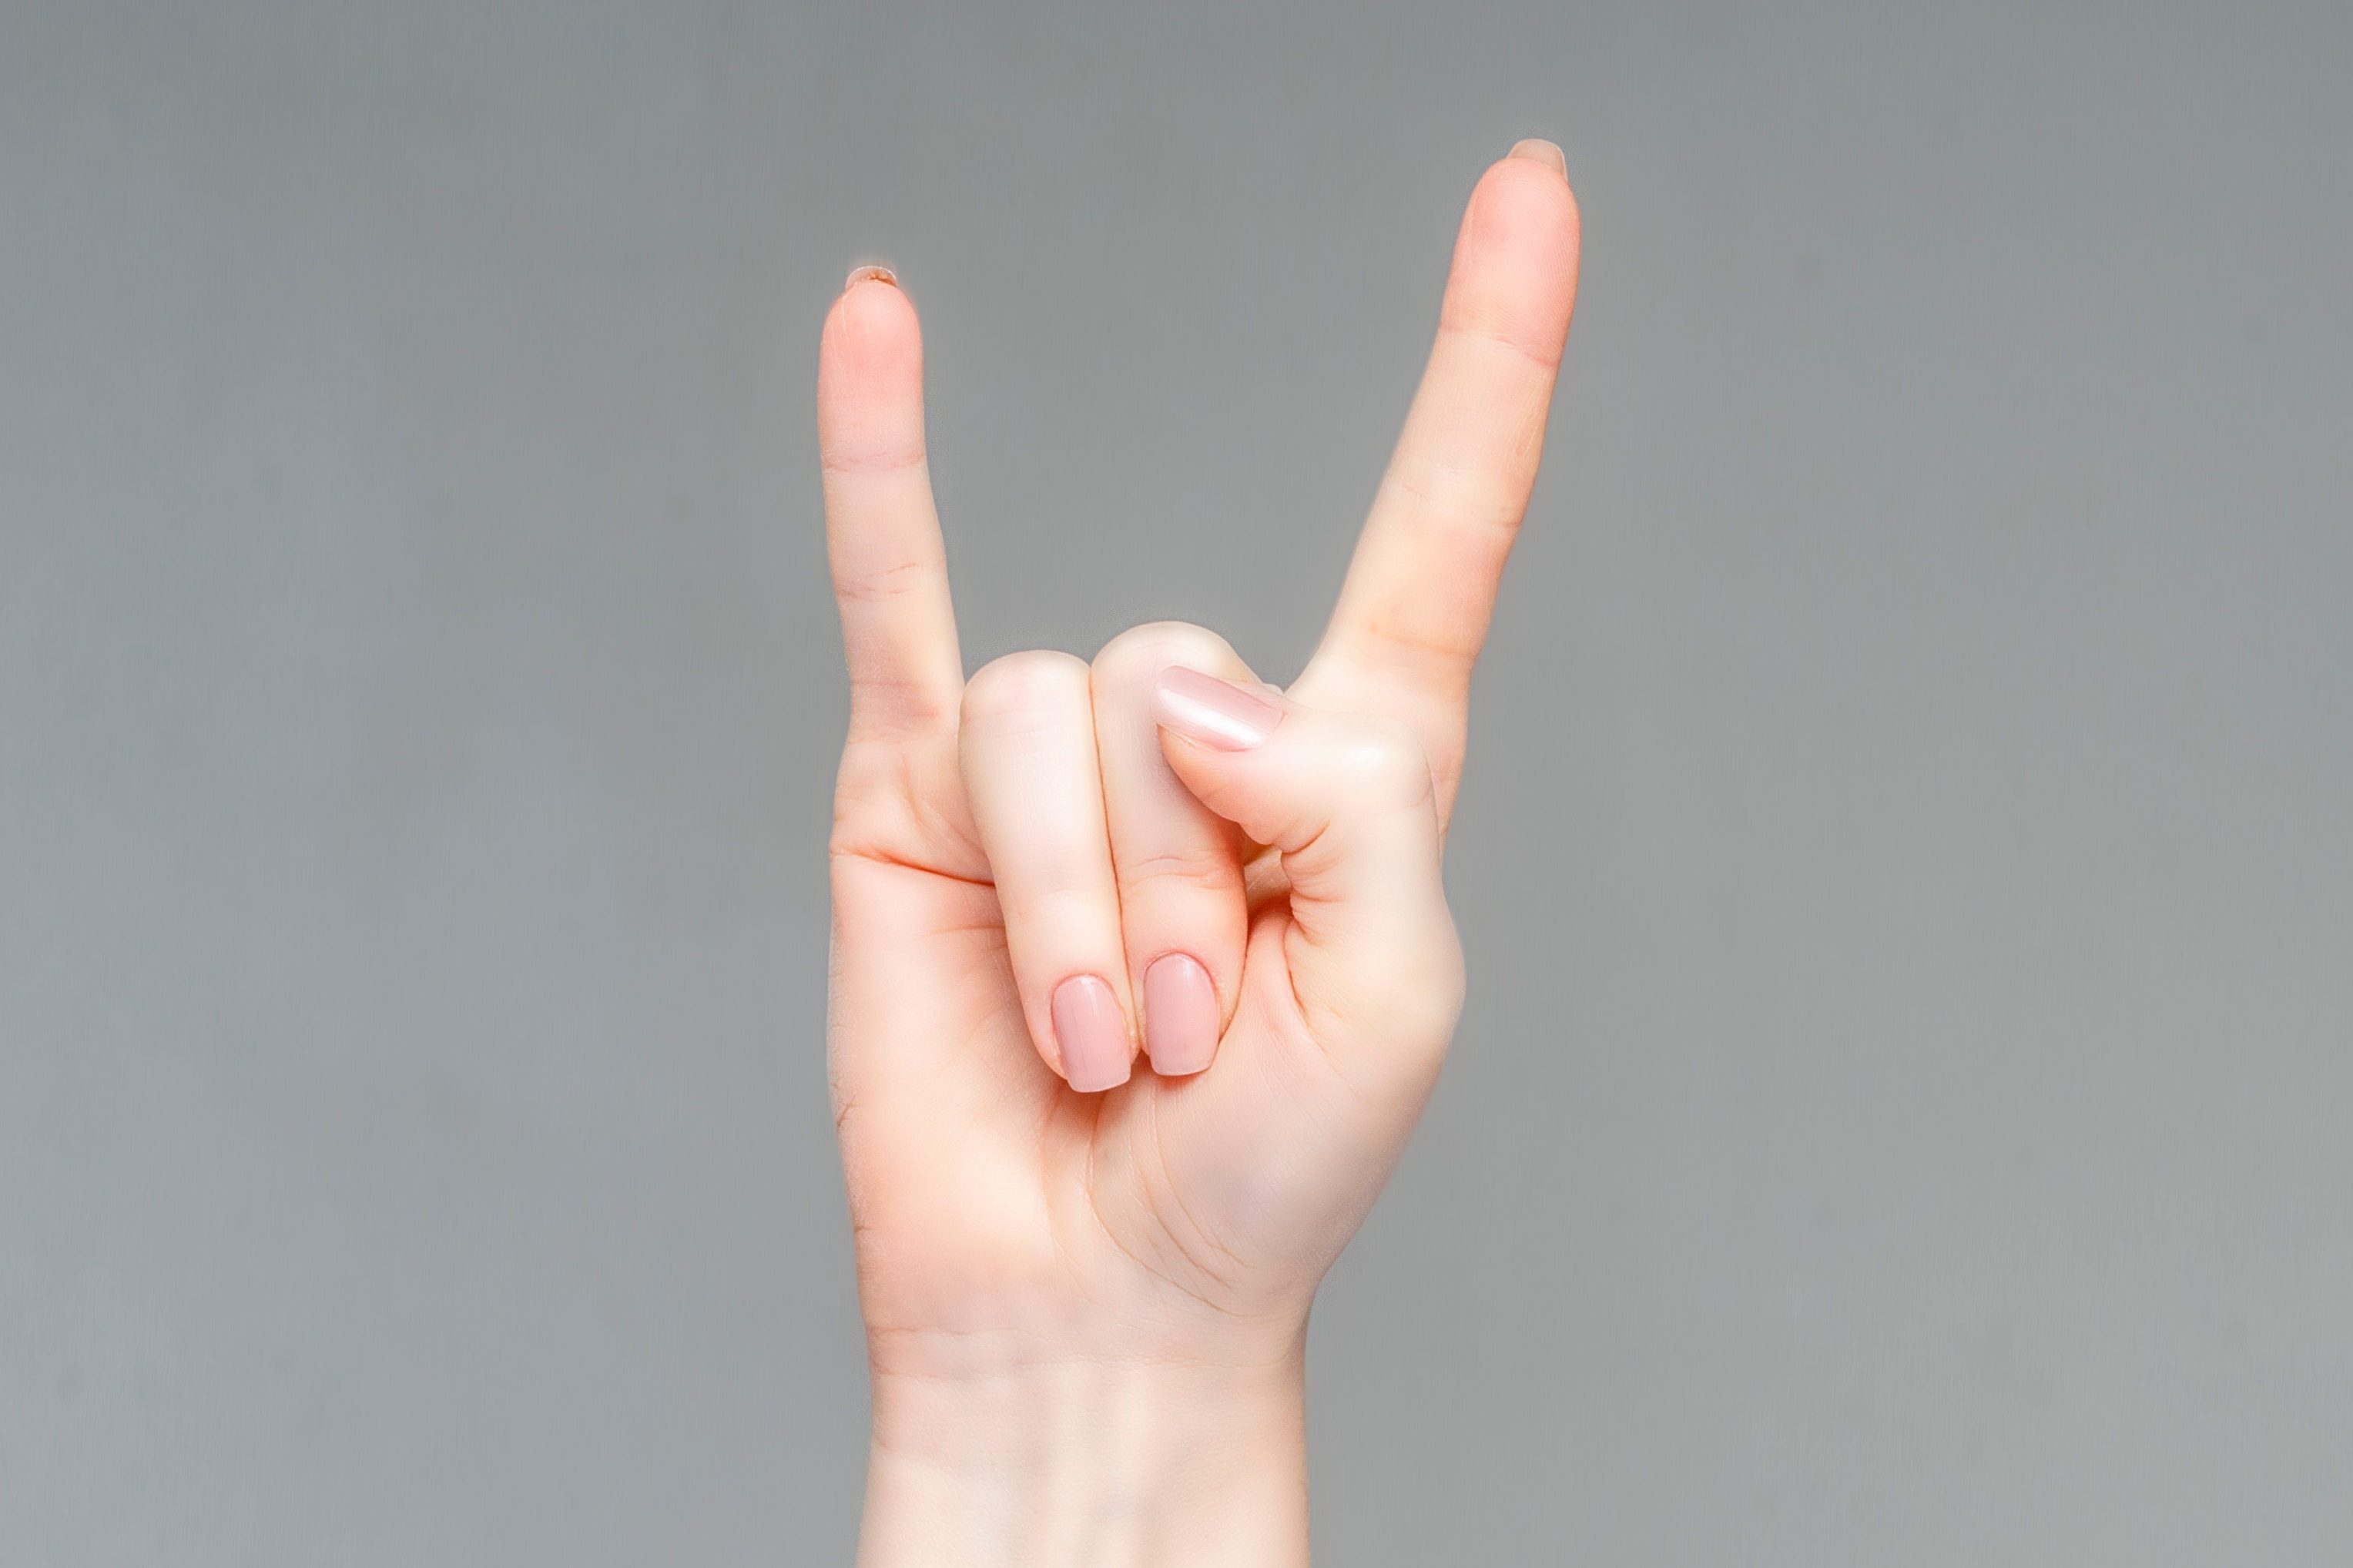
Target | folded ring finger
(1183,909)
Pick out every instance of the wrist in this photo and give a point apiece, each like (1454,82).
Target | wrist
(1111,1463)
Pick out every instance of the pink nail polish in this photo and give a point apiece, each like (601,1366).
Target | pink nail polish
(1215,712)
(1180,1015)
(1091,1034)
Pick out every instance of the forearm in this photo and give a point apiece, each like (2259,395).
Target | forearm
(1112,1466)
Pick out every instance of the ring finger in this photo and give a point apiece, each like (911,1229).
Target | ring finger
(1183,909)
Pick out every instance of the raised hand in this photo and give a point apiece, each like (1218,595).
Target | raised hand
(1143,969)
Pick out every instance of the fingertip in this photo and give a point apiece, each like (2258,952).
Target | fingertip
(871,375)
(872,321)
(1525,202)
(1091,1034)
(1515,274)
(1536,149)
(1181,1015)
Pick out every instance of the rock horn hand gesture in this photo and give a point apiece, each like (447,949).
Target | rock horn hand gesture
(1143,969)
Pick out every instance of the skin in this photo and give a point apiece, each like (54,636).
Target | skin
(1086,1306)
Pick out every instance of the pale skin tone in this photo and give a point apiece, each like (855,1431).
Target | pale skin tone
(1142,969)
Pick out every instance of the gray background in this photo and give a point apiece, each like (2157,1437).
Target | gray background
(1906,863)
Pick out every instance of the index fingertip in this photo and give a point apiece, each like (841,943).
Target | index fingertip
(1537,150)
(871,375)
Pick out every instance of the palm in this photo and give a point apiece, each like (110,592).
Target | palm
(971,1164)
(989,1198)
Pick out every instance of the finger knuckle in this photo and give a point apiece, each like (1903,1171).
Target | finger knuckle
(1016,683)
(1142,652)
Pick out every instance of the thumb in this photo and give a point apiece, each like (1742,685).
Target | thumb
(1350,804)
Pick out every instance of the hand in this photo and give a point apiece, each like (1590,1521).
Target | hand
(1086,1276)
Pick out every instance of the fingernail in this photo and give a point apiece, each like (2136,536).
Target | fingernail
(1537,150)
(1215,712)
(1180,1015)
(1091,1034)
(874,270)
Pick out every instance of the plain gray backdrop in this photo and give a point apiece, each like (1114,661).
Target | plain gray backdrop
(1906,861)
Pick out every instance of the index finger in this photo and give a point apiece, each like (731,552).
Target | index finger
(1422,588)
(882,534)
